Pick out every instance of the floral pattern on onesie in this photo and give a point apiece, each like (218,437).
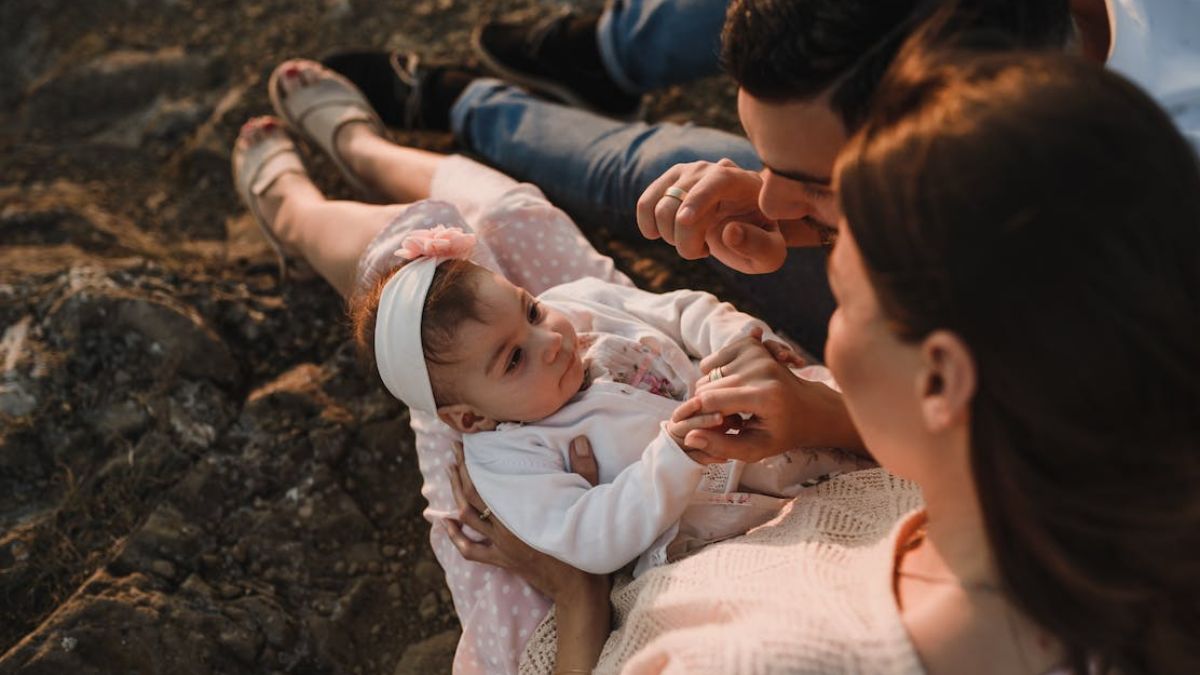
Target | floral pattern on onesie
(637,363)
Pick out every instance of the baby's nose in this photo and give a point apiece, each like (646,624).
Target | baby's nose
(554,344)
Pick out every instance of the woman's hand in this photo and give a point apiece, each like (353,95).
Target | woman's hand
(785,411)
(581,599)
(550,576)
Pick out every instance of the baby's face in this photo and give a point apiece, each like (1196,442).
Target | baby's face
(521,363)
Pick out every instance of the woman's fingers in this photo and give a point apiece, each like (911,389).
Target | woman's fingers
(750,445)
(475,551)
(583,462)
(680,428)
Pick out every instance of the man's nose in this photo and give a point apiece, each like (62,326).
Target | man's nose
(782,199)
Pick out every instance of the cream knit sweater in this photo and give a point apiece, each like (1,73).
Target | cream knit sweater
(808,592)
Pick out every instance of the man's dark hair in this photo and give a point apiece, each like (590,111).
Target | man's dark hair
(792,50)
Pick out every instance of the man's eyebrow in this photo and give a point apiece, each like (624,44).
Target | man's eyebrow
(823,181)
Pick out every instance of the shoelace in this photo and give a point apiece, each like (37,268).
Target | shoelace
(410,74)
(553,24)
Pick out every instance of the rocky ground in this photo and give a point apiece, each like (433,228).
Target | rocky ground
(195,474)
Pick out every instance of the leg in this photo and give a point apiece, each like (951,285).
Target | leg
(592,166)
(650,44)
(330,235)
(596,168)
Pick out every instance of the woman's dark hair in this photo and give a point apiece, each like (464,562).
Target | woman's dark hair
(789,50)
(1048,213)
(451,300)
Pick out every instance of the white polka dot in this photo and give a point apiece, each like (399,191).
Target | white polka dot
(506,588)
(516,610)
(526,592)
(545,279)
(524,632)
(534,612)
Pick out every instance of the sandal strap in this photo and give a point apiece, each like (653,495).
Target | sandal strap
(319,110)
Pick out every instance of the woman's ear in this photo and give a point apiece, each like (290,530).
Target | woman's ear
(465,419)
(947,379)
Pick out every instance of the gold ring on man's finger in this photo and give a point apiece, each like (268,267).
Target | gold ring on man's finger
(715,374)
(675,192)
(487,513)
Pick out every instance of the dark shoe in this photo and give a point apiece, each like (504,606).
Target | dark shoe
(558,57)
(406,93)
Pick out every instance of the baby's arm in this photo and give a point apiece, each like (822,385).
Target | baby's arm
(696,320)
(597,529)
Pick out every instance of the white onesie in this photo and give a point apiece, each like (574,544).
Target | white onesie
(641,350)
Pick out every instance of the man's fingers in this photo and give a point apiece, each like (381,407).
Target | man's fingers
(583,462)
(649,200)
(764,249)
(664,218)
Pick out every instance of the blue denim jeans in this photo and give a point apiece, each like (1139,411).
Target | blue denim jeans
(650,44)
(595,168)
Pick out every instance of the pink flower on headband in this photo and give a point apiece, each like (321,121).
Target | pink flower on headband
(437,242)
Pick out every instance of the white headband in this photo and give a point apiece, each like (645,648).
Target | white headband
(399,354)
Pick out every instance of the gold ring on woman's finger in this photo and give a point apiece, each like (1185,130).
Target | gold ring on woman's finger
(715,374)
(487,513)
(675,192)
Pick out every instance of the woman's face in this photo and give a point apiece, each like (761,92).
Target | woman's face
(879,374)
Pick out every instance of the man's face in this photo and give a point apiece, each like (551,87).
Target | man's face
(798,143)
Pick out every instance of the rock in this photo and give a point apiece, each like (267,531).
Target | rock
(428,608)
(124,418)
(429,574)
(434,655)
(91,96)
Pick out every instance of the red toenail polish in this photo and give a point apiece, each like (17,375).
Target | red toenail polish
(291,71)
(269,125)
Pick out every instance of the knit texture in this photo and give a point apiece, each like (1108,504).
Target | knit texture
(808,592)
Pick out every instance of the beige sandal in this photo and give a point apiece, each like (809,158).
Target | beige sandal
(255,170)
(317,111)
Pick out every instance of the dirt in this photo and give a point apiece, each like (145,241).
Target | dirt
(196,475)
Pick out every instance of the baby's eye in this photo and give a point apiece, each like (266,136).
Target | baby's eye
(513,361)
(535,312)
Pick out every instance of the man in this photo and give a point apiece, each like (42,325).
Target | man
(806,69)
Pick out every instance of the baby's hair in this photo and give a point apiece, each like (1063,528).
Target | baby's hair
(450,301)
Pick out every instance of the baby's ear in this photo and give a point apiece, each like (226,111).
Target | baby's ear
(465,419)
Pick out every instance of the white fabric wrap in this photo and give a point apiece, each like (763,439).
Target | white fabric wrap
(399,355)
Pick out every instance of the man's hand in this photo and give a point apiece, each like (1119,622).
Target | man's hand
(718,216)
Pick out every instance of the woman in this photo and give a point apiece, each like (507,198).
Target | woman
(1018,334)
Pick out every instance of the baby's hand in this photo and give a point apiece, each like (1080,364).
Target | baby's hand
(678,430)
(784,354)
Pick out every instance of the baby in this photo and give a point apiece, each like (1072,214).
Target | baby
(521,377)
